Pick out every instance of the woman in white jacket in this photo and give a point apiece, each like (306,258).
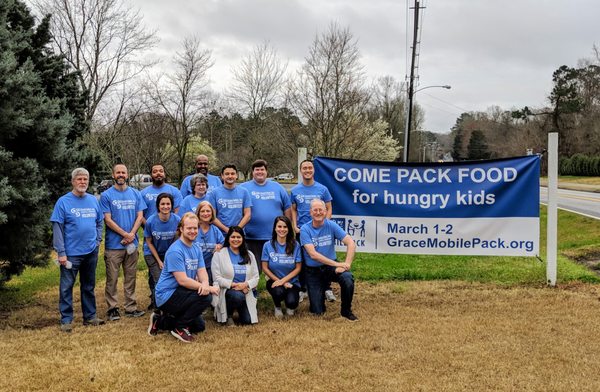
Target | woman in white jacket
(235,271)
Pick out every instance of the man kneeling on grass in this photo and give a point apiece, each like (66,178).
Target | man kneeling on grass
(182,291)
(318,242)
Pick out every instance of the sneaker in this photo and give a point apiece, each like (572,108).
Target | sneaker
(183,334)
(153,327)
(94,322)
(330,296)
(230,322)
(350,316)
(134,313)
(113,314)
(290,312)
(66,327)
(278,313)
(303,295)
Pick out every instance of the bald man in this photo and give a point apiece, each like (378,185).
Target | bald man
(201,166)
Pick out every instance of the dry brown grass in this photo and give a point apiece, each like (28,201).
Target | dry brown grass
(421,336)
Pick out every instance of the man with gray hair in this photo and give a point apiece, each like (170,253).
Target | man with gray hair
(318,238)
(77,233)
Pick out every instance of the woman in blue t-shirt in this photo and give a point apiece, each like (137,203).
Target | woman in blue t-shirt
(190,203)
(281,263)
(159,233)
(235,271)
(210,238)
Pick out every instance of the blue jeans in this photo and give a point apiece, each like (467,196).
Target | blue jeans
(236,300)
(318,279)
(85,265)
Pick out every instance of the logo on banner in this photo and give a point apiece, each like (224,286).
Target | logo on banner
(356,227)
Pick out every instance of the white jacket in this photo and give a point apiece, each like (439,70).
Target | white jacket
(222,272)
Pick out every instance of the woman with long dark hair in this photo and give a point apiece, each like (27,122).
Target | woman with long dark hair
(281,263)
(159,234)
(235,272)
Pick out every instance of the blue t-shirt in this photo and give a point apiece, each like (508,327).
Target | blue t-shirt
(186,185)
(229,204)
(81,219)
(239,270)
(208,241)
(162,233)
(280,263)
(179,258)
(189,204)
(302,195)
(323,238)
(269,201)
(123,207)
(151,193)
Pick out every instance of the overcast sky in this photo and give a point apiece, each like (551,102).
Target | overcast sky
(491,52)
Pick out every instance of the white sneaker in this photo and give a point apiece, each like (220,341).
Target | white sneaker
(330,296)
(278,313)
(230,322)
(289,312)
(303,295)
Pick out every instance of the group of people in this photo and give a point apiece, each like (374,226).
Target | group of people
(205,245)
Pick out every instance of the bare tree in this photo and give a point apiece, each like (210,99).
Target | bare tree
(328,94)
(102,39)
(183,96)
(258,80)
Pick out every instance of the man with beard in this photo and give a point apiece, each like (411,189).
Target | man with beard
(149,195)
(201,167)
(159,186)
(77,233)
(122,207)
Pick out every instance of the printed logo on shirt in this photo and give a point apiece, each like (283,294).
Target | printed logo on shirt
(163,235)
(263,195)
(239,269)
(83,212)
(306,199)
(324,240)
(281,258)
(191,264)
(124,204)
(231,203)
(151,196)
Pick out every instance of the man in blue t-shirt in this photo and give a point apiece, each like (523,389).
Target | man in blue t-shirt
(77,233)
(301,195)
(269,200)
(122,207)
(232,203)
(318,241)
(159,185)
(201,166)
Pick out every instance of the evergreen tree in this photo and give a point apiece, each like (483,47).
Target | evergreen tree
(41,123)
(477,148)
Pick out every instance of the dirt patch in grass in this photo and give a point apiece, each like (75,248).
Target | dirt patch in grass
(588,256)
(450,336)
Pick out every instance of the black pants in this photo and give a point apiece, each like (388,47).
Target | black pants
(183,310)
(256,247)
(290,296)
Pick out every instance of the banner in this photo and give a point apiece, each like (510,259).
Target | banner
(454,208)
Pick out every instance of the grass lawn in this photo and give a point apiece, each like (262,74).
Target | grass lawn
(427,323)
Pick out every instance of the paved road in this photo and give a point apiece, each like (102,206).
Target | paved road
(584,203)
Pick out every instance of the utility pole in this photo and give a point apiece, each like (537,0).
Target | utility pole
(411,84)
